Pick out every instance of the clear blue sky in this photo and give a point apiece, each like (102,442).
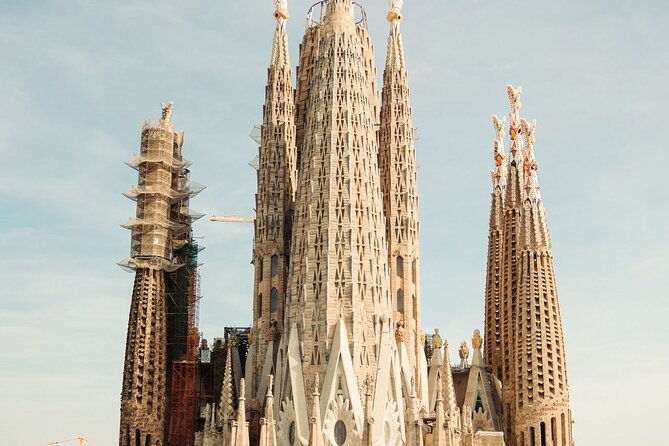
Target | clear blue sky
(77,79)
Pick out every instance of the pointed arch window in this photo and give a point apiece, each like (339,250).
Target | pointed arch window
(273,300)
(274,266)
(399,266)
(400,301)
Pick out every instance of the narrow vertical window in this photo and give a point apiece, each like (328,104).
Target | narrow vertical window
(273,300)
(260,270)
(274,267)
(399,266)
(400,301)
(414,271)
(260,305)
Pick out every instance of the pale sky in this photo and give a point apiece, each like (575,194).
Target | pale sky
(78,78)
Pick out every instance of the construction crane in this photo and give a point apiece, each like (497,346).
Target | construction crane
(81,440)
(232,219)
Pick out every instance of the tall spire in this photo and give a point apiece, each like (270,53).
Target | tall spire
(268,424)
(338,266)
(242,432)
(274,206)
(493,290)
(532,360)
(400,197)
(448,387)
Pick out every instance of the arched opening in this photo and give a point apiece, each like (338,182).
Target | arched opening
(532,442)
(260,269)
(399,266)
(138,438)
(274,265)
(273,300)
(400,301)
(542,428)
(564,430)
(554,431)
(260,305)
(147,441)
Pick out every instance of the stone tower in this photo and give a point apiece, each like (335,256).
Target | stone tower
(324,318)
(157,326)
(400,197)
(525,343)
(274,207)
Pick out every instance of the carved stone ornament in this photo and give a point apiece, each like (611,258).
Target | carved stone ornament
(436,340)
(166,111)
(477,340)
(400,332)
(273,334)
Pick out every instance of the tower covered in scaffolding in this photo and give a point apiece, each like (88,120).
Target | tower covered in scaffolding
(163,310)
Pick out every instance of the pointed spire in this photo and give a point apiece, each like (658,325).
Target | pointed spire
(530,165)
(439,434)
(267,424)
(449,389)
(499,173)
(395,53)
(242,433)
(315,430)
(414,420)
(280,45)
(226,409)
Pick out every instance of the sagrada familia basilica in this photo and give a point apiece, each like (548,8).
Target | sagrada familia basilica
(335,354)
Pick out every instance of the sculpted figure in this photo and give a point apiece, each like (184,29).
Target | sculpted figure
(167,111)
(477,340)
(464,354)
(436,340)
(400,332)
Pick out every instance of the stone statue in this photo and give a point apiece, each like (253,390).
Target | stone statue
(464,354)
(436,340)
(400,332)
(273,333)
(477,340)
(167,111)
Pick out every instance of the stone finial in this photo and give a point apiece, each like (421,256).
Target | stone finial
(464,354)
(281,12)
(436,340)
(514,98)
(528,131)
(477,340)
(166,111)
(499,127)
(400,332)
(394,10)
